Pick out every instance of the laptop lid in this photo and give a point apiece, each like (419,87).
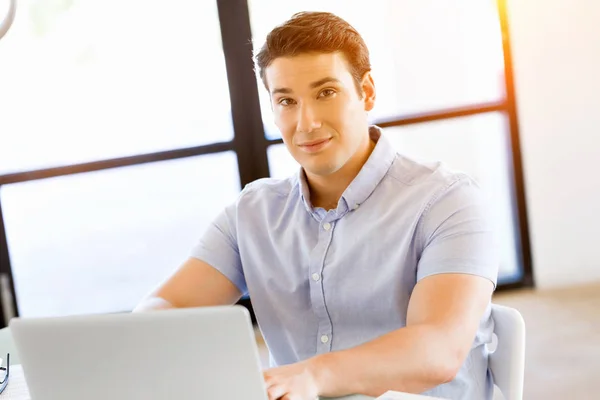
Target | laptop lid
(197,353)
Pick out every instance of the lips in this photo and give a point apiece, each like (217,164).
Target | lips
(314,145)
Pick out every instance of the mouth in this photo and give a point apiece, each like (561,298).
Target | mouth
(315,146)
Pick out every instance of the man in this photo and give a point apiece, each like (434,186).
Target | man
(367,271)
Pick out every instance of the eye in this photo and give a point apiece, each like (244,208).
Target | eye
(327,93)
(286,102)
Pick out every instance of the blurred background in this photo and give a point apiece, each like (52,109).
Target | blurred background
(126,126)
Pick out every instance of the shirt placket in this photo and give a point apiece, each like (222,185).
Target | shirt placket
(317,292)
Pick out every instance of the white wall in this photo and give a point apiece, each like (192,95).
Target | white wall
(556,51)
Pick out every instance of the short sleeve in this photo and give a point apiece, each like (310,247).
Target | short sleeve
(218,247)
(457,233)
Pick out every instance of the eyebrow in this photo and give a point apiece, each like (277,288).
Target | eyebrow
(313,85)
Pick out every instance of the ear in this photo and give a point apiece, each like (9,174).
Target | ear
(368,88)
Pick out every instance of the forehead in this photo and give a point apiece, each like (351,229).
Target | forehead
(298,72)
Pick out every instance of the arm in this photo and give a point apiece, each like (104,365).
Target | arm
(195,284)
(443,317)
(211,276)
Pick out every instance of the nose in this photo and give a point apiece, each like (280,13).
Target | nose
(307,119)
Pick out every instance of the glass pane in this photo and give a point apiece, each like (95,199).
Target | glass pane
(87,80)
(426,55)
(479,146)
(281,162)
(98,242)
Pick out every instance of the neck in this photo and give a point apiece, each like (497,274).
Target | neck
(326,191)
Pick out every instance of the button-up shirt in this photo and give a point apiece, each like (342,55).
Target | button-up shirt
(326,280)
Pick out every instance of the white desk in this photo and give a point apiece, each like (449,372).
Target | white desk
(17,387)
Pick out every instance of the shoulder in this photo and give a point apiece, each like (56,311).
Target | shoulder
(267,190)
(444,196)
(432,178)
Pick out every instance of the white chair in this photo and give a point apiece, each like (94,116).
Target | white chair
(7,345)
(507,362)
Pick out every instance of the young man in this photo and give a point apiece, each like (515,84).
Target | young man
(367,271)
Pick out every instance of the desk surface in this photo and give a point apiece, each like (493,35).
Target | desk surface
(17,387)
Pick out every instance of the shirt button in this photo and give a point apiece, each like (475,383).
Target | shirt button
(327,226)
(356,206)
(316,277)
(324,339)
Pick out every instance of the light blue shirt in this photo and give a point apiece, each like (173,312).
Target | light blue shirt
(323,281)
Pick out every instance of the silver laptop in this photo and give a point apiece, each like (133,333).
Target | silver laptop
(199,353)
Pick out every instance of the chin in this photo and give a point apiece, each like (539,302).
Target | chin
(322,164)
(321,169)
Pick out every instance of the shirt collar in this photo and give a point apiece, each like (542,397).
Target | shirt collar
(370,175)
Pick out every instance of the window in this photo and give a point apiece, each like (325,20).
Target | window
(87,80)
(100,241)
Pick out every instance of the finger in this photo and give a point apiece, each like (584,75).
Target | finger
(292,396)
(271,380)
(275,392)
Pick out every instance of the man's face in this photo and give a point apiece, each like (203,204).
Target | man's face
(321,116)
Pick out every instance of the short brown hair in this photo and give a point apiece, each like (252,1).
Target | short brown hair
(319,32)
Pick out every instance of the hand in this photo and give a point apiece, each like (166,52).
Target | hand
(292,382)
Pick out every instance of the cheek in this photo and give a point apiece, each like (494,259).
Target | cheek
(353,118)
(286,123)
(284,120)
(346,119)
(286,127)
(342,112)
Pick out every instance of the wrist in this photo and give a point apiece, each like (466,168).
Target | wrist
(322,369)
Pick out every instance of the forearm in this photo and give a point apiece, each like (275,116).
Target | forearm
(412,359)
